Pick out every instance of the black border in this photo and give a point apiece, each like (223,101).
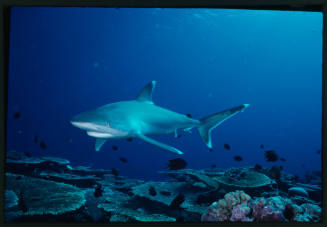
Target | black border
(292,5)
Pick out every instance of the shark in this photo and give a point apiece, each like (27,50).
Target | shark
(141,118)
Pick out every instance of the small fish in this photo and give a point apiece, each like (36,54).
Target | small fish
(271,156)
(282,159)
(227,146)
(189,115)
(130,139)
(281,167)
(165,193)
(98,191)
(179,199)
(318,151)
(43,145)
(210,149)
(114,147)
(177,163)
(261,146)
(152,191)
(27,154)
(213,166)
(122,159)
(35,138)
(238,158)
(258,167)
(114,172)
(16,115)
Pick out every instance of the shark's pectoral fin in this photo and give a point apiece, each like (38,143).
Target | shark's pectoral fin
(161,145)
(98,143)
(146,94)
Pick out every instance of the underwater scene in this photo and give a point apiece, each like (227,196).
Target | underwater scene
(163,115)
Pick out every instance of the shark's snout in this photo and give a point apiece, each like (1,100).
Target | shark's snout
(82,125)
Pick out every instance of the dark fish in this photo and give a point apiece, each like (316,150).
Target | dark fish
(281,167)
(122,159)
(114,172)
(27,154)
(189,115)
(258,167)
(43,145)
(318,151)
(21,202)
(210,149)
(129,139)
(165,193)
(35,138)
(179,199)
(152,191)
(98,191)
(271,156)
(261,146)
(177,163)
(238,158)
(213,166)
(282,159)
(275,172)
(16,115)
(114,147)
(227,146)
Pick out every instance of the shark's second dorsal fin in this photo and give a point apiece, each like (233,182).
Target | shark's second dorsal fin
(146,93)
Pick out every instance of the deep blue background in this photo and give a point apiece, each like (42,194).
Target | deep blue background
(64,61)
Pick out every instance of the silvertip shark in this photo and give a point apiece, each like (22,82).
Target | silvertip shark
(140,118)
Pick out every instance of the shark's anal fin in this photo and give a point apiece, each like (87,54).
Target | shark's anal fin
(161,145)
(98,143)
(146,93)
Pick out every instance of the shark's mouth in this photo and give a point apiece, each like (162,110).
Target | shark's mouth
(100,134)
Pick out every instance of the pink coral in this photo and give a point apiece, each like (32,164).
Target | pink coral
(223,210)
(240,213)
(270,209)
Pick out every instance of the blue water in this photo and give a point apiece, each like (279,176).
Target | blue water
(64,61)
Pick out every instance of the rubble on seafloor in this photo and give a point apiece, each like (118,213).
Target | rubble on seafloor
(50,189)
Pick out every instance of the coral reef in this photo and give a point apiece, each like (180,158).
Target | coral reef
(232,207)
(41,197)
(50,189)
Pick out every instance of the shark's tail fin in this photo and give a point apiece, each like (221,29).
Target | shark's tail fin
(212,121)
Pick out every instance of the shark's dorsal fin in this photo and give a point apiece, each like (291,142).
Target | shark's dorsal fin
(98,143)
(146,93)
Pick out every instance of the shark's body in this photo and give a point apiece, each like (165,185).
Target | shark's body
(141,117)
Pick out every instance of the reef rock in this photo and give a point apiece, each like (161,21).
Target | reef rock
(11,199)
(298,191)
(196,178)
(244,178)
(162,192)
(42,197)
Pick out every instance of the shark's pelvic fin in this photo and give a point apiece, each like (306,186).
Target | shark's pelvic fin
(146,93)
(98,143)
(212,121)
(161,145)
